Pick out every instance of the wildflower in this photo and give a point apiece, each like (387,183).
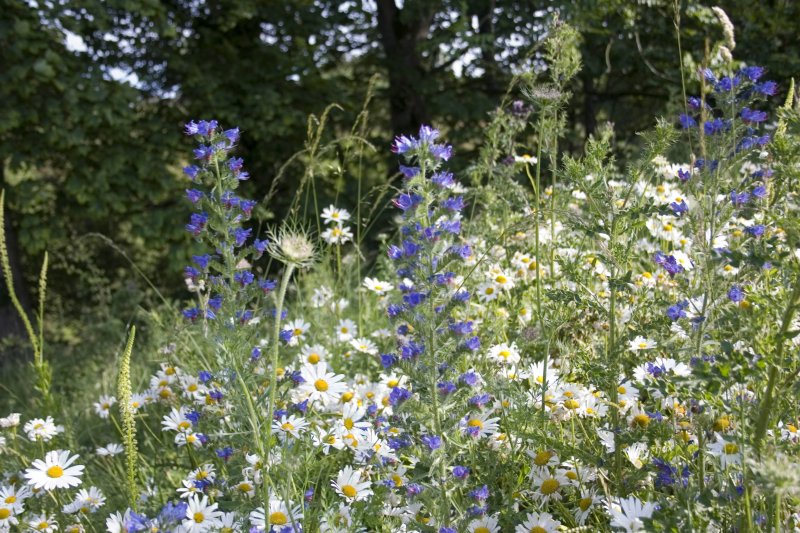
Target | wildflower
(348,485)
(627,513)
(727,451)
(486,524)
(55,472)
(538,523)
(103,406)
(279,514)
(86,501)
(337,235)
(376,286)
(547,486)
(525,159)
(319,385)
(736,294)
(43,523)
(505,354)
(289,426)
(109,450)
(42,429)
(334,215)
(292,245)
(200,516)
(640,343)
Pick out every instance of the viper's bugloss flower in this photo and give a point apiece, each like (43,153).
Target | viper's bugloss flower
(736,294)
(684,175)
(244,278)
(194,195)
(679,208)
(756,230)
(197,223)
(461,472)
(202,260)
(433,442)
(267,285)
(768,88)
(480,494)
(240,235)
(739,199)
(752,116)
(686,121)
(398,396)
(446,387)
(718,125)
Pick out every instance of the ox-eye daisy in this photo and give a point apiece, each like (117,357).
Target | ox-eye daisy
(320,385)
(55,471)
(348,484)
(200,516)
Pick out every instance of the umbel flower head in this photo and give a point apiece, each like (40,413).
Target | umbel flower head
(292,245)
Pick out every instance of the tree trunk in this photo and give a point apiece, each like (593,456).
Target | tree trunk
(10,323)
(400,40)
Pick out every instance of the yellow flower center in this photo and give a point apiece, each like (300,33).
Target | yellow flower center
(4,513)
(313,358)
(475,423)
(349,491)
(642,345)
(164,393)
(621,389)
(722,423)
(584,503)
(55,471)
(278,518)
(571,404)
(791,428)
(730,448)
(321,385)
(538,529)
(501,279)
(11,499)
(297,332)
(184,425)
(398,481)
(393,383)
(489,290)
(549,486)
(192,387)
(641,420)
(245,487)
(347,396)
(542,458)
(572,475)
(481,529)
(202,474)
(348,423)
(42,526)
(287,426)
(198,518)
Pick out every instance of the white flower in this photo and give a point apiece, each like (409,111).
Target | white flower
(314,354)
(291,426)
(504,354)
(200,516)
(348,484)
(345,330)
(55,471)
(13,498)
(635,453)
(43,523)
(298,328)
(377,286)
(479,424)
(525,158)
(485,524)
(538,522)
(334,215)
(279,514)
(548,485)
(727,451)
(337,235)
(627,513)
(42,429)
(319,385)
(86,501)
(364,345)
(176,421)
(12,420)
(102,407)
(640,343)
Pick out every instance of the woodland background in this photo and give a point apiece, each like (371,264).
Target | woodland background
(94,95)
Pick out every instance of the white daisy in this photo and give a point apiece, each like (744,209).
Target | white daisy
(43,523)
(346,329)
(377,286)
(484,524)
(42,429)
(200,516)
(627,513)
(320,385)
(538,523)
(334,215)
(337,235)
(55,471)
(504,354)
(641,343)
(279,514)
(348,484)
